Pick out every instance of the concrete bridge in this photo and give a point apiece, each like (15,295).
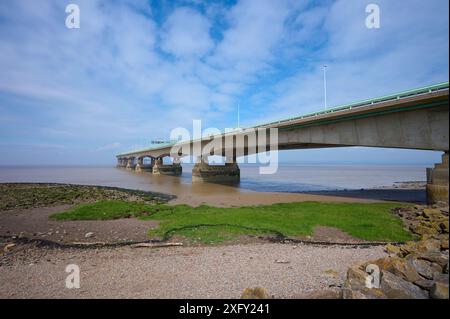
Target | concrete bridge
(414,119)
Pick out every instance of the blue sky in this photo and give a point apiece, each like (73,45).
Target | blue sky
(137,69)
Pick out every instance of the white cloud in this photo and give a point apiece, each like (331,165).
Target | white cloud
(256,28)
(186,34)
(406,52)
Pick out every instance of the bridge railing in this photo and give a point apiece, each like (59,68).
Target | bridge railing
(386,98)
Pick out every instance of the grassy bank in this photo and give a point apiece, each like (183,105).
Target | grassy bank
(373,222)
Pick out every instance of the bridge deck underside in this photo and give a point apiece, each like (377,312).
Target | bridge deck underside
(414,123)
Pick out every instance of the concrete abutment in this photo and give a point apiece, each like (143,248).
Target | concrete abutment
(437,182)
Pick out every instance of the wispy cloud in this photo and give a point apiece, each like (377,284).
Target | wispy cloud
(109,147)
(136,69)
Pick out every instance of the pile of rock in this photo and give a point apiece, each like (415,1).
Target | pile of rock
(417,269)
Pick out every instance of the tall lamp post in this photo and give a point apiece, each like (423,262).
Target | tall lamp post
(325,85)
(238,115)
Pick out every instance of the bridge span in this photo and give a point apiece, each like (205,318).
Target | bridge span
(414,119)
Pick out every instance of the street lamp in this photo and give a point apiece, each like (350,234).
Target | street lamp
(325,84)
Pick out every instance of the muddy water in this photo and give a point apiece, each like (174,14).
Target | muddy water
(290,183)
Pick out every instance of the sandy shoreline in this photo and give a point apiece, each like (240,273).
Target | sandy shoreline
(251,198)
(285,270)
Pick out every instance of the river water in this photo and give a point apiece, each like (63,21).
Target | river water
(343,180)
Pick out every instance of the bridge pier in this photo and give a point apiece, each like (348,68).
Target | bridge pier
(228,173)
(141,167)
(437,182)
(130,163)
(173,169)
(121,162)
(139,164)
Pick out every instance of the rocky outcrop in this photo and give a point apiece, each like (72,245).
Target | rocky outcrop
(414,270)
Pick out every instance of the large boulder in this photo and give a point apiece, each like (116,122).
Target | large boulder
(423,268)
(439,277)
(424,284)
(429,245)
(392,249)
(439,290)
(399,266)
(433,214)
(394,287)
(434,257)
(424,228)
(355,285)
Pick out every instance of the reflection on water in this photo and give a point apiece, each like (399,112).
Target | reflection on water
(289,178)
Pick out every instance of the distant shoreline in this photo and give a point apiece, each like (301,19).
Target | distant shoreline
(407,191)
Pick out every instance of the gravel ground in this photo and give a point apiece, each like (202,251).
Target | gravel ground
(284,270)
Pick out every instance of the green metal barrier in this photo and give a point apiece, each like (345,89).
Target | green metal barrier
(390,97)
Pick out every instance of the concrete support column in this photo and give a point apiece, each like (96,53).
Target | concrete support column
(437,182)
(177,169)
(130,163)
(122,162)
(228,173)
(160,168)
(156,165)
(176,161)
(139,164)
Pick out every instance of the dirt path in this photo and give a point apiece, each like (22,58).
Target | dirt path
(35,223)
(284,270)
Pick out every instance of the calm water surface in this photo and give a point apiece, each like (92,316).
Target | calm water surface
(289,178)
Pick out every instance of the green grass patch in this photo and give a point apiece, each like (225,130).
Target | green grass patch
(373,222)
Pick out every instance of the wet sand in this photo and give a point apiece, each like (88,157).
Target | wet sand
(251,198)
